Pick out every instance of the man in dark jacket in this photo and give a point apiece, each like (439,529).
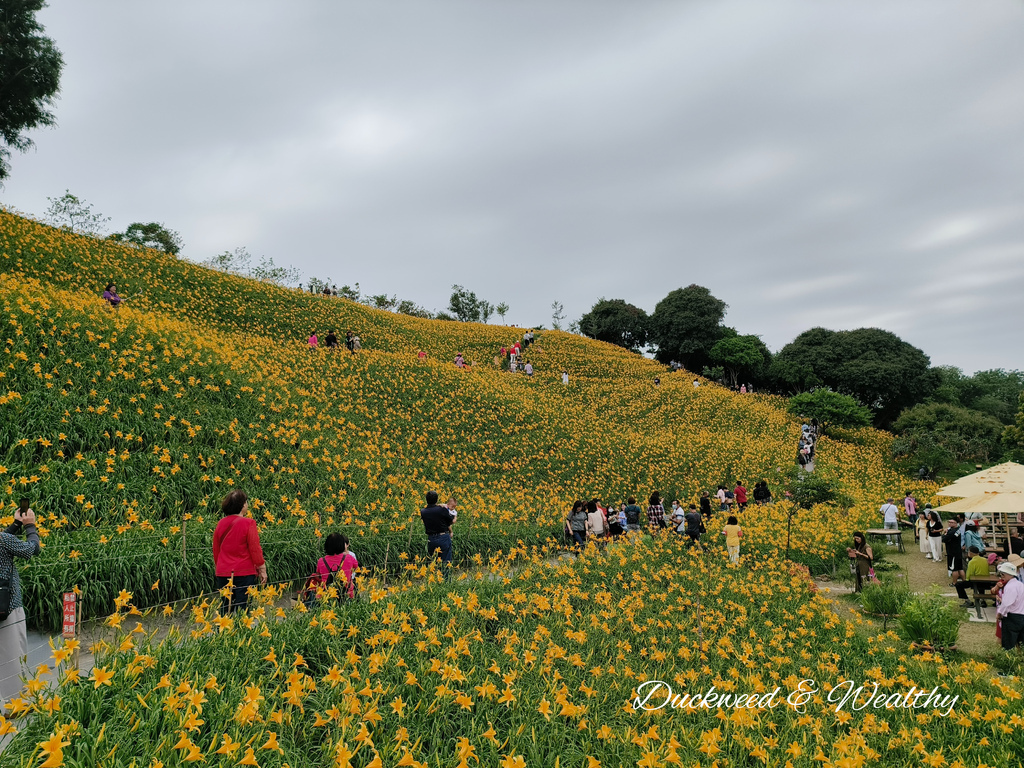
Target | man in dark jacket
(437,522)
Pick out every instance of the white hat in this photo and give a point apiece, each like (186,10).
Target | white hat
(1008,568)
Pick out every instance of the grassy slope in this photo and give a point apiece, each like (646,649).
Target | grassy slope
(126,424)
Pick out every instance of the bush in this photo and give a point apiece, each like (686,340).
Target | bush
(885,598)
(932,620)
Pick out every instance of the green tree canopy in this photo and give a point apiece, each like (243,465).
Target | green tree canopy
(616,322)
(464,304)
(30,67)
(151,235)
(831,409)
(743,357)
(940,435)
(874,366)
(686,324)
(72,213)
(1013,435)
(994,392)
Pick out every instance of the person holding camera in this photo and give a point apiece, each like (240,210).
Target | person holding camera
(13,640)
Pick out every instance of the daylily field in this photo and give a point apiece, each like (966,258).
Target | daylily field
(126,428)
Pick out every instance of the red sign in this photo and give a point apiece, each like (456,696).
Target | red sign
(70,614)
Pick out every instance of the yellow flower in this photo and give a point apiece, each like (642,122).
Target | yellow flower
(100,676)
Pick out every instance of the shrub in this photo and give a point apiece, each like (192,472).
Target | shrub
(885,598)
(932,620)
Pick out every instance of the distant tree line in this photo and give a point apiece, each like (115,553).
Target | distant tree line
(941,416)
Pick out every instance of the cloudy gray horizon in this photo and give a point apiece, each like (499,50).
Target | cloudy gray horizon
(841,164)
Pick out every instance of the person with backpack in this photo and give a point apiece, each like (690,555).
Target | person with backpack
(655,512)
(705,505)
(13,638)
(632,512)
(335,569)
(741,495)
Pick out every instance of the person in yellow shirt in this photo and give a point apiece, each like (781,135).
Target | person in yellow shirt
(976,566)
(732,533)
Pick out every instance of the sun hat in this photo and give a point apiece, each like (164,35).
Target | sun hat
(1017,560)
(1008,568)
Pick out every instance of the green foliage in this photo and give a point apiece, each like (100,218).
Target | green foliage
(75,215)
(1013,435)
(874,366)
(886,598)
(616,322)
(464,305)
(994,392)
(502,310)
(557,315)
(940,435)
(151,235)
(30,67)
(831,409)
(809,488)
(931,619)
(686,324)
(744,357)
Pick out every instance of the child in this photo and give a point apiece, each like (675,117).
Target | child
(732,533)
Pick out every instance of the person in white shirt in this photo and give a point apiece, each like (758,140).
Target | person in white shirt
(1011,608)
(891,518)
(565,377)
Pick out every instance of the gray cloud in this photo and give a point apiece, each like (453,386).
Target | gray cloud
(835,164)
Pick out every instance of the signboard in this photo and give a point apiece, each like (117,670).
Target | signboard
(70,615)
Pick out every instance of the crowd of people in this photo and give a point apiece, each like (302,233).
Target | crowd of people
(593,520)
(968,561)
(352,342)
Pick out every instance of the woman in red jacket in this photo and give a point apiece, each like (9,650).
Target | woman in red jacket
(237,555)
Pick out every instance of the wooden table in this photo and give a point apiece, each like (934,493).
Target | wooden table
(878,532)
(980,586)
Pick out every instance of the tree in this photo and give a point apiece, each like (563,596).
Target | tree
(75,215)
(1013,435)
(383,301)
(350,293)
(686,324)
(30,67)
(233,262)
(947,433)
(502,310)
(151,235)
(269,272)
(831,409)
(557,315)
(486,310)
(994,392)
(616,322)
(742,356)
(464,304)
(874,366)
(408,307)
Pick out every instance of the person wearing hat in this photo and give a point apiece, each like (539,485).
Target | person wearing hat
(977,566)
(1011,608)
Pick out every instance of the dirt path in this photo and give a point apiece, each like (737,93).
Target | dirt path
(976,637)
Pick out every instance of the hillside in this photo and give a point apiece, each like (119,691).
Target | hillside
(126,427)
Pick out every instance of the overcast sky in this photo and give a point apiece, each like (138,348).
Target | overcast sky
(842,164)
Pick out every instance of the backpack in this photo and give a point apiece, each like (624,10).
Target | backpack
(333,580)
(632,514)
